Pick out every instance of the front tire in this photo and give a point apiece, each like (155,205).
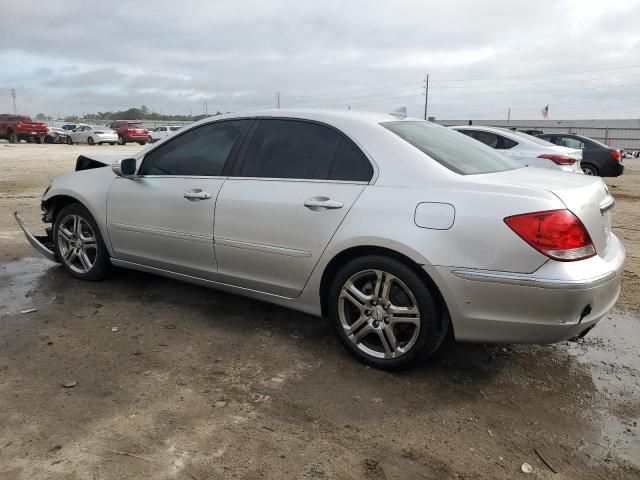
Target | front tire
(69,141)
(142,143)
(589,169)
(384,313)
(13,138)
(79,245)
(38,140)
(90,141)
(121,140)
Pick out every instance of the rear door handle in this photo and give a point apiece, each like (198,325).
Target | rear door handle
(322,203)
(196,194)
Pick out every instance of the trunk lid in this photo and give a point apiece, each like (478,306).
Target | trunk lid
(587,197)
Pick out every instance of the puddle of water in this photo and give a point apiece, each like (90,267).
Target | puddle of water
(610,354)
(18,281)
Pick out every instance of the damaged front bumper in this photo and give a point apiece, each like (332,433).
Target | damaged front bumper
(42,243)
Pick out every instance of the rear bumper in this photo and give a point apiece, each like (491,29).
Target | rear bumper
(559,301)
(136,138)
(43,244)
(612,169)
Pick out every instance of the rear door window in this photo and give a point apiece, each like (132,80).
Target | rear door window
(304,150)
(201,151)
(571,142)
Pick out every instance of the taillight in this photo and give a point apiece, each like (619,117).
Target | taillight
(615,154)
(558,234)
(559,159)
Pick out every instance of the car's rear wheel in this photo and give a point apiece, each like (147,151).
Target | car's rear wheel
(79,245)
(13,138)
(121,140)
(589,169)
(90,141)
(69,141)
(384,312)
(38,139)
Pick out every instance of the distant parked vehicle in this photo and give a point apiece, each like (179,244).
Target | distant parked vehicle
(20,127)
(92,135)
(597,158)
(526,149)
(70,126)
(130,132)
(530,131)
(56,135)
(159,133)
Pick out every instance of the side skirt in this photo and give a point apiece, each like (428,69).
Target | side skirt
(307,302)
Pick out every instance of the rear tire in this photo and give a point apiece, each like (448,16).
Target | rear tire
(589,169)
(90,141)
(38,140)
(121,140)
(384,313)
(79,245)
(142,143)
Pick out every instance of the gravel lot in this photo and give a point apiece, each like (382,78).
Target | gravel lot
(177,381)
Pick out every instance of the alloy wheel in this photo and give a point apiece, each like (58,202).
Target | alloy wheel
(379,314)
(77,243)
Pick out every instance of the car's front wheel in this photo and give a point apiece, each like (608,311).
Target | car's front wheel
(384,312)
(121,140)
(69,141)
(588,169)
(90,141)
(79,245)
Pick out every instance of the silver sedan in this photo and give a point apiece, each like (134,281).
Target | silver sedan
(396,230)
(92,135)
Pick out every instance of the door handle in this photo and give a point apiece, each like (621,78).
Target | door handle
(196,194)
(322,203)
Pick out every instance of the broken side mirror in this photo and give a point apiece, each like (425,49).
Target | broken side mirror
(125,167)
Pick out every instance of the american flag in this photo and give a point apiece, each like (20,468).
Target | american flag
(545,112)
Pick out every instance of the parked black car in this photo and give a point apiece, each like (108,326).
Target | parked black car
(597,158)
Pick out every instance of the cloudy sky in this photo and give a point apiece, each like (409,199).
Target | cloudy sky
(581,57)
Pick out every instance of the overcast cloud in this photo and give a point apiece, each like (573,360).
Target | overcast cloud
(70,57)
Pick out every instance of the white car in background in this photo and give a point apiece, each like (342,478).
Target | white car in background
(161,132)
(92,134)
(526,149)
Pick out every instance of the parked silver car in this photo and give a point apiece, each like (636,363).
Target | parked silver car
(396,229)
(526,149)
(92,135)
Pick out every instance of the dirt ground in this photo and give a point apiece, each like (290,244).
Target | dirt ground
(174,381)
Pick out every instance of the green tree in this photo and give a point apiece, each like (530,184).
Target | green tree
(41,117)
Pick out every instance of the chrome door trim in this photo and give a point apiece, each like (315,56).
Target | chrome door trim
(530,281)
(258,247)
(163,233)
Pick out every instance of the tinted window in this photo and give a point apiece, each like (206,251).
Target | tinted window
(291,149)
(201,151)
(350,164)
(491,139)
(448,147)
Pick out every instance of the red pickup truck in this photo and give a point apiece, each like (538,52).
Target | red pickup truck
(20,127)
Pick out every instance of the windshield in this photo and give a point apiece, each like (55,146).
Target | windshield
(526,136)
(452,149)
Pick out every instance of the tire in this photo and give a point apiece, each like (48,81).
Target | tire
(149,139)
(13,138)
(409,335)
(48,139)
(90,141)
(589,169)
(73,231)
(121,140)
(69,141)
(112,143)
(142,143)
(38,140)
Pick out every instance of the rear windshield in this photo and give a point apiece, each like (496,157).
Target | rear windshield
(531,138)
(452,149)
(135,125)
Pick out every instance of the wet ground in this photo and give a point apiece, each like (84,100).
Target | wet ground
(172,380)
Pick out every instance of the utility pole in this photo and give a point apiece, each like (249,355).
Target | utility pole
(205,109)
(13,97)
(426,95)
(509,117)
(277,99)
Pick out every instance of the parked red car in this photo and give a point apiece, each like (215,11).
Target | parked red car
(20,127)
(129,132)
